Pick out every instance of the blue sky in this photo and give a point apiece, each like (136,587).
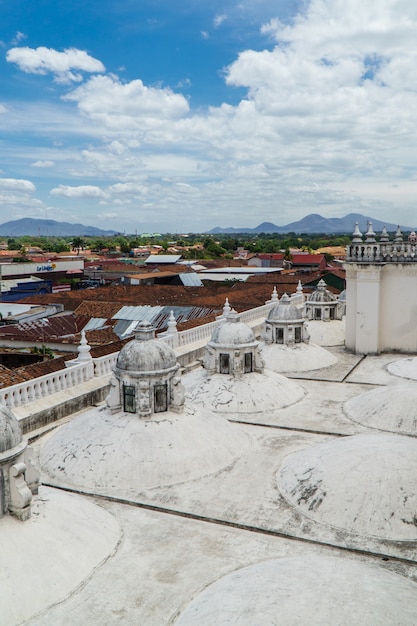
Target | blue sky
(161,116)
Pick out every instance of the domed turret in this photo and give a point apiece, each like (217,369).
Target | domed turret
(145,353)
(285,324)
(322,304)
(233,349)
(145,376)
(111,451)
(234,381)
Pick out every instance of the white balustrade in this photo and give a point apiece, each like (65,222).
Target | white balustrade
(79,372)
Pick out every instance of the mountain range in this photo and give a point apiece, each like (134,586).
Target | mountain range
(309,224)
(315,223)
(50,228)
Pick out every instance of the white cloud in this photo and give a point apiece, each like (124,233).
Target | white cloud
(66,66)
(43,164)
(18,38)
(16,184)
(219,19)
(82,191)
(127,106)
(204,34)
(328,124)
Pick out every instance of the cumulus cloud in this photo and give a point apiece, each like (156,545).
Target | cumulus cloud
(66,66)
(328,123)
(82,191)
(16,184)
(131,105)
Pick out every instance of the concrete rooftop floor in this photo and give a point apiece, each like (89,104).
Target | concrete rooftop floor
(177,540)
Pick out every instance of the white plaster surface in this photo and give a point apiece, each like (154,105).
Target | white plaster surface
(164,561)
(43,560)
(122,453)
(405,368)
(169,555)
(327,334)
(311,590)
(364,484)
(249,394)
(392,408)
(301,357)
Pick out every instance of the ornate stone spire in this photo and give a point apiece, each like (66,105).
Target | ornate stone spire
(84,349)
(357,235)
(370,235)
(398,235)
(384,235)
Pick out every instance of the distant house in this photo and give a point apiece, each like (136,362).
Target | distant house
(275,259)
(306,261)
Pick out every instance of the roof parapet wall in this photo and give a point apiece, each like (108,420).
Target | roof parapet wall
(366,249)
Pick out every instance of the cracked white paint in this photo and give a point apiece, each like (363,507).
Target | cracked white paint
(365,484)
(123,454)
(249,394)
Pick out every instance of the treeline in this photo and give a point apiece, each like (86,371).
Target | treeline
(196,246)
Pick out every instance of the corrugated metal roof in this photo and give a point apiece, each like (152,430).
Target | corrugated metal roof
(95,322)
(138,313)
(129,317)
(163,258)
(191,279)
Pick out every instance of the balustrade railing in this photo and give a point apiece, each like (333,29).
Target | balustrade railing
(78,373)
(378,252)
(30,390)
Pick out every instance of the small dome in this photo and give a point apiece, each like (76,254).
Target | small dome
(145,353)
(321,294)
(232,332)
(311,589)
(391,408)
(10,435)
(364,484)
(284,311)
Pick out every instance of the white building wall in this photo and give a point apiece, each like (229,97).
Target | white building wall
(381,307)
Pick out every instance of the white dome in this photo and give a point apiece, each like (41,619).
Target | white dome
(122,454)
(145,353)
(404,368)
(392,408)
(252,393)
(365,484)
(48,557)
(300,357)
(313,590)
(285,311)
(321,294)
(232,332)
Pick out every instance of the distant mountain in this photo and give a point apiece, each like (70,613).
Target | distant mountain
(315,223)
(50,228)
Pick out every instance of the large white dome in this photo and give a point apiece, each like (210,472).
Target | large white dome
(365,484)
(392,408)
(122,454)
(313,590)
(300,357)
(250,394)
